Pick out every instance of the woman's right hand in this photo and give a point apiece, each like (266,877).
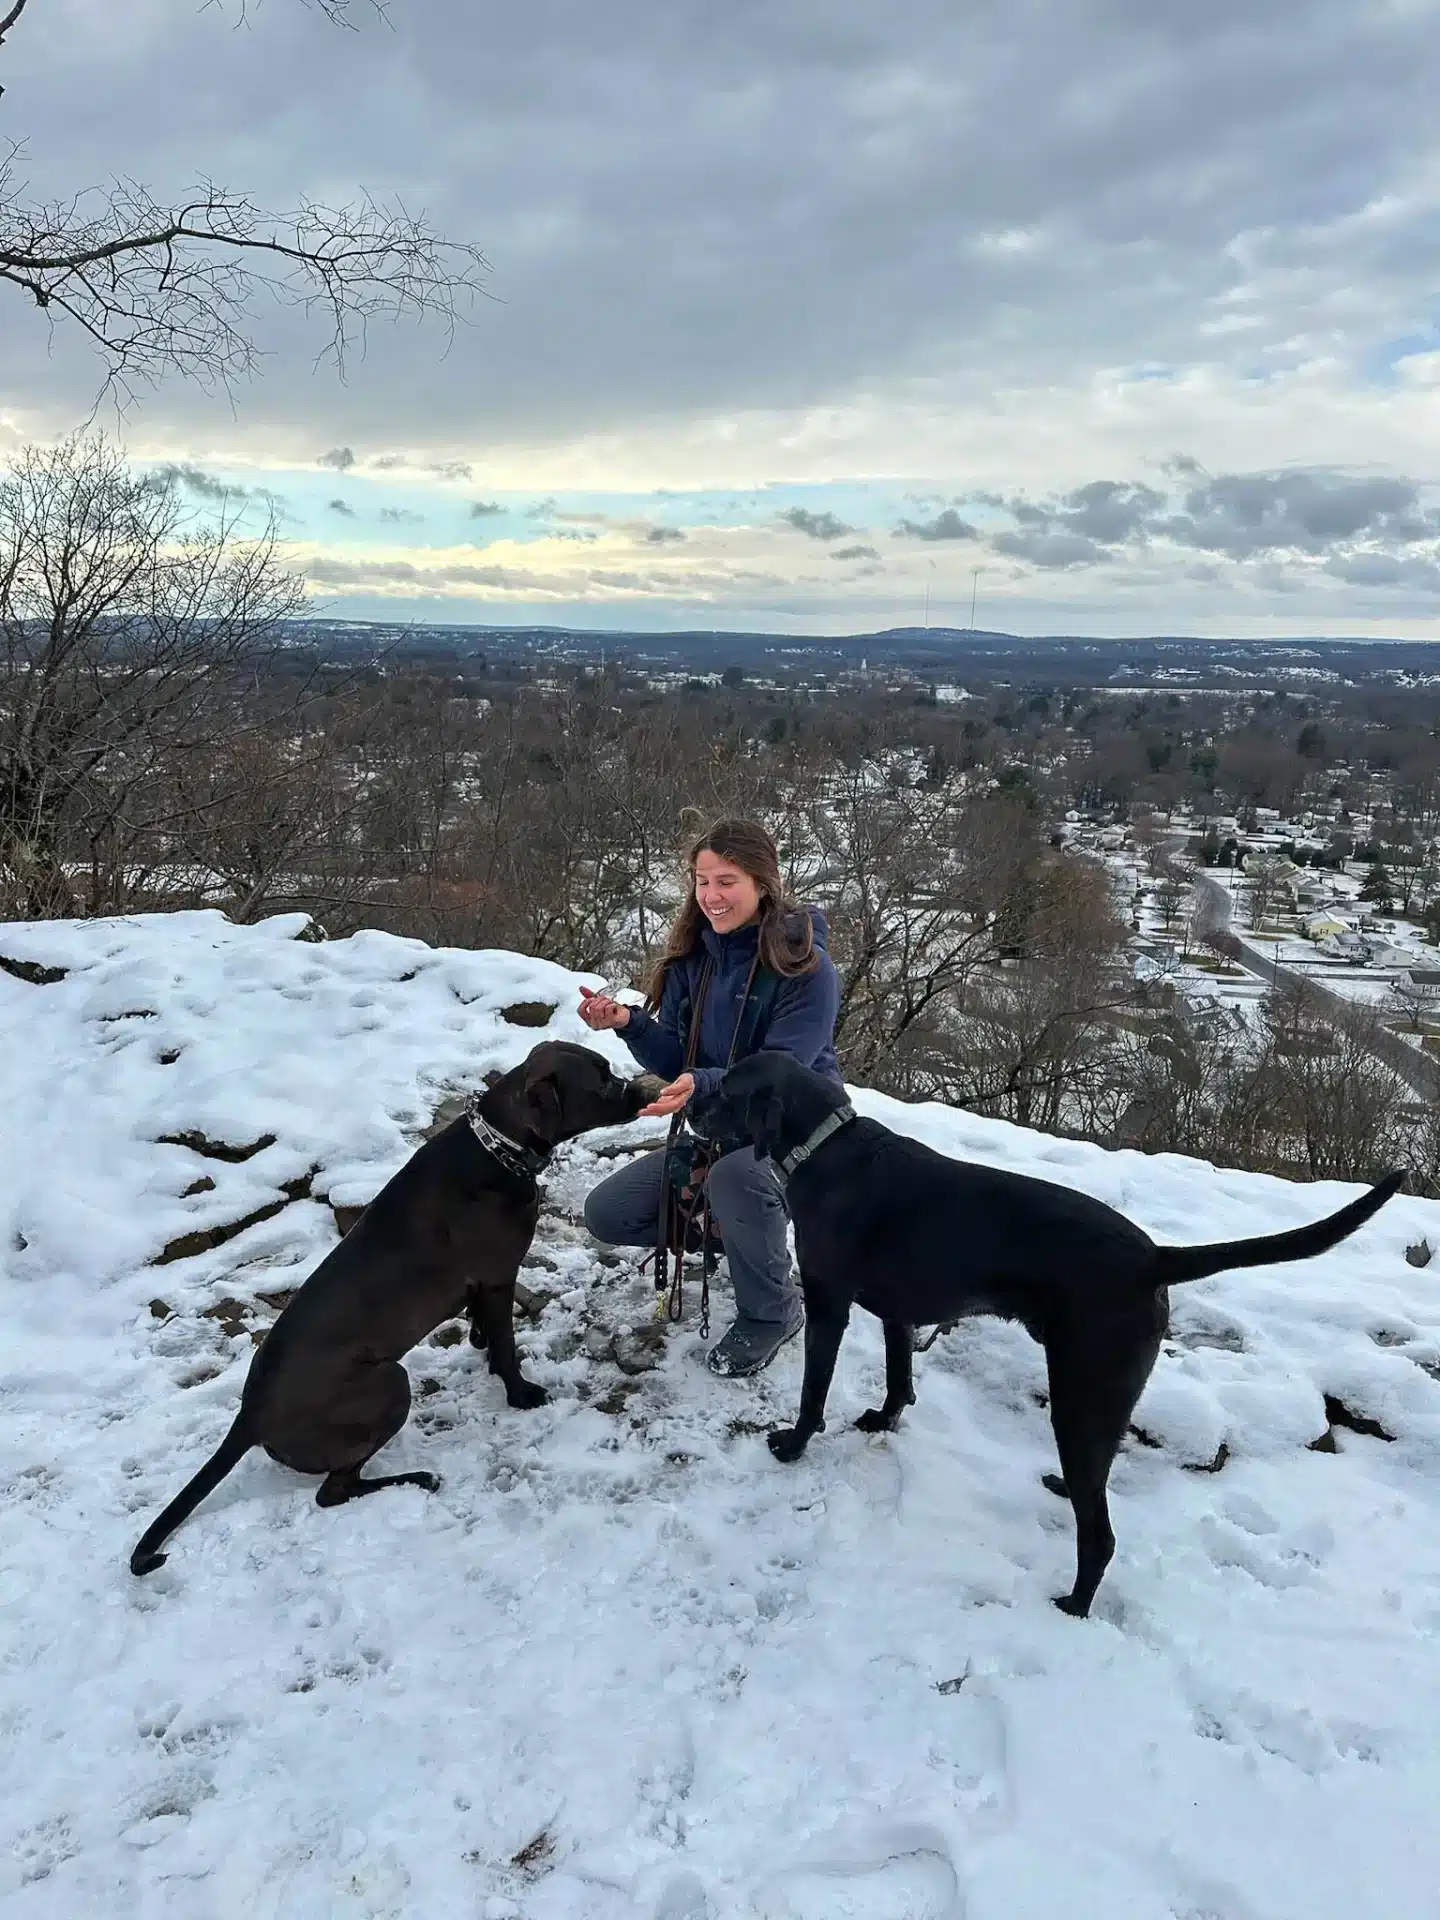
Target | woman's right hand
(602,1014)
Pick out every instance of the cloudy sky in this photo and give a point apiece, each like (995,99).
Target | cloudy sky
(1124,314)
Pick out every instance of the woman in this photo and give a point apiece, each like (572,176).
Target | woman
(744,969)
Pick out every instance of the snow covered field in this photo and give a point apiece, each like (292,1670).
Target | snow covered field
(623,1664)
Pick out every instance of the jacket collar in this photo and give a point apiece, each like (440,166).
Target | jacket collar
(723,947)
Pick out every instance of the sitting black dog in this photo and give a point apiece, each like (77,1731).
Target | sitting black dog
(445,1236)
(918,1238)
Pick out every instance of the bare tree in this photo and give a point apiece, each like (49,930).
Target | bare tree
(160,285)
(1224,945)
(260,819)
(1170,894)
(1410,1004)
(1335,1097)
(1153,843)
(916,878)
(1410,862)
(1195,1086)
(1262,884)
(123,624)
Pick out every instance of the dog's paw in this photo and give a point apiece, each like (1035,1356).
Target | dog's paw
(429,1481)
(877,1420)
(1067,1603)
(477,1337)
(786,1443)
(143,1563)
(525,1393)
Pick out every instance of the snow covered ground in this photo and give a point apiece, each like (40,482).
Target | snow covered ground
(623,1664)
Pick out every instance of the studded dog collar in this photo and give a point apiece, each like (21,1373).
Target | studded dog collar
(524,1162)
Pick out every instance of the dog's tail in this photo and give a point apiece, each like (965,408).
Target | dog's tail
(1175,1264)
(226,1457)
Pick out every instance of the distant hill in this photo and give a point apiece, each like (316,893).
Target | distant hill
(1172,659)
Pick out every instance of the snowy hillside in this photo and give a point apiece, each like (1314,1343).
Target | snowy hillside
(623,1664)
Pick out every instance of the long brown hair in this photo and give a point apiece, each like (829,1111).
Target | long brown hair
(787,939)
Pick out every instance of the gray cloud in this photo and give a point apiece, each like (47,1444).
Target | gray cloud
(1181,209)
(1245,514)
(815,526)
(1055,551)
(1078,528)
(339,506)
(391,573)
(379,575)
(341,459)
(207,486)
(663,536)
(483,509)
(401,516)
(656,283)
(854,553)
(1367,569)
(1108,510)
(1353,521)
(945,526)
(1271,577)
(687,281)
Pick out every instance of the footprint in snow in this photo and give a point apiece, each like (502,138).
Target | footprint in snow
(913,1875)
(1238,1717)
(682,1898)
(1231,1541)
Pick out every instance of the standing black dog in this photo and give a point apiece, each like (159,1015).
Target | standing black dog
(445,1236)
(918,1238)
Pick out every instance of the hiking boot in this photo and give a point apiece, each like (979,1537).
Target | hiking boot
(751,1345)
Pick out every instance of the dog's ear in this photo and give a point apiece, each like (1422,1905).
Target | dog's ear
(542,1097)
(763,1116)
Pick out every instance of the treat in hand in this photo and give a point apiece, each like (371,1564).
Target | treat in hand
(670,1099)
(601,1013)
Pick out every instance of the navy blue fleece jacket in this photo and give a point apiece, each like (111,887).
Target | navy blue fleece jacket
(801,1022)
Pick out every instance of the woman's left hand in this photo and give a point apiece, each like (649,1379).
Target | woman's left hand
(672,1098)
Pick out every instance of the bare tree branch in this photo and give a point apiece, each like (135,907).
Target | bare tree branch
(172,289)
(11,17)
(337,11)
(340,12)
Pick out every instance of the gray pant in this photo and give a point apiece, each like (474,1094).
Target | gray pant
(745,1201)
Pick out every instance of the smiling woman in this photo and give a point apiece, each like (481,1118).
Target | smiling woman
(744,970)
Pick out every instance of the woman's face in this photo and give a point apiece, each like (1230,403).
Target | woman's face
(728,897)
